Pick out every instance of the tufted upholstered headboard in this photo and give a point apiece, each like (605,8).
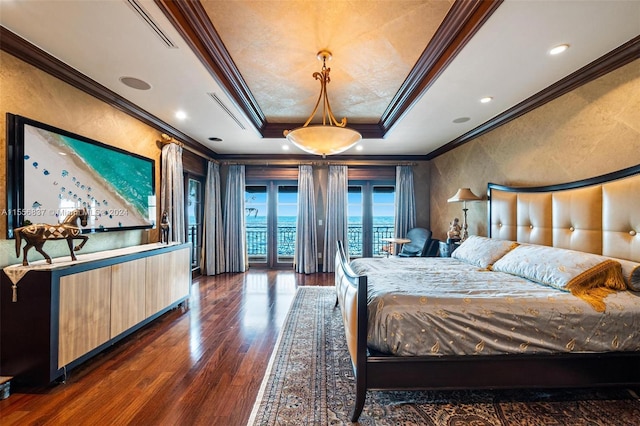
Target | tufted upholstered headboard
(599,215)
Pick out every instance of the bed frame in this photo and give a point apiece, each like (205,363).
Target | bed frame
(599,215)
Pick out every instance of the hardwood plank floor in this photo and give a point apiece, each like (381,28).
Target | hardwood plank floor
(197,366)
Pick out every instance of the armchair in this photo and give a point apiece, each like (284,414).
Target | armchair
(421,244)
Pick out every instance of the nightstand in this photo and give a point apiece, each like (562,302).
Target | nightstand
(447,248)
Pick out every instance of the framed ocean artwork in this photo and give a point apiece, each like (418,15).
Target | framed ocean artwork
(52,171)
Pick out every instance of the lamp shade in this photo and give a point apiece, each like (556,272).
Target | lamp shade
(323,140)
(463,194)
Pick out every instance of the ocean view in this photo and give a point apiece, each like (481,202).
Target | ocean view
(257,234)
(256,221)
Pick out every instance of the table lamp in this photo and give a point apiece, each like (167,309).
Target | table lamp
(464,195)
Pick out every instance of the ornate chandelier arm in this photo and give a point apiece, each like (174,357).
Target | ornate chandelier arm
(325,79)
(327,107)
(323,92)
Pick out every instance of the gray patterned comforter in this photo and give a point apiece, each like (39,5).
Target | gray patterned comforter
(442,306)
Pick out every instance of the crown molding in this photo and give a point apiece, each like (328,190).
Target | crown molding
(624,54)
(31,54)
(463,20)
(192,22)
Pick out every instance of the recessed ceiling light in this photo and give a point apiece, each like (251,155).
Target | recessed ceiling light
(181,115)
(285,147)
(486,99)
(461,120)
(359,148)
(558,49)
(135,83)
(214,139)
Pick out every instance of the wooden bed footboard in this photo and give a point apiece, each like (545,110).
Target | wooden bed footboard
(352,298)
(375,371)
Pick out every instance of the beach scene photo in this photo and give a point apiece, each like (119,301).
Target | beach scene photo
(63,173)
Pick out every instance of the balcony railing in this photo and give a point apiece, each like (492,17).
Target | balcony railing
(257,240)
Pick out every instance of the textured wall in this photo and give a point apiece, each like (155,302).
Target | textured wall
(27,91)
(588,132)
(591,131)
(421,183)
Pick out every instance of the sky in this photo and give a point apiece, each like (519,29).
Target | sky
(383,203)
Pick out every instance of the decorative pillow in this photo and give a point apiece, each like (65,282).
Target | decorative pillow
(482,251)
(634,279)
(588,276)
(630,273)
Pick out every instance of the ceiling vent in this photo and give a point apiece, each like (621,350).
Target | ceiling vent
(225,109)
(140,11)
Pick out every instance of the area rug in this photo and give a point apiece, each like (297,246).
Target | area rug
(310,381)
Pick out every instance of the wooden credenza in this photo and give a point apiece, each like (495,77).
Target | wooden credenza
(67,313)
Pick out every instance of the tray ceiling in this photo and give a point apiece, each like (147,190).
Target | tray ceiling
(408,74)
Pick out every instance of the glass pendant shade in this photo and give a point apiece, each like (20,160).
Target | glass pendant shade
(323,140)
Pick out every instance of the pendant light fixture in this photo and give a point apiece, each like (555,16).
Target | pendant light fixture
(330,137)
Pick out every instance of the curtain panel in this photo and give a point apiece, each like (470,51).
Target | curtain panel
(405,205)
(336,227)
(213,260)
(172,190)
(305,258)
(235,250)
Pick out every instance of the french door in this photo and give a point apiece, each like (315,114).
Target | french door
(193,218)
(371,216)
(271,211)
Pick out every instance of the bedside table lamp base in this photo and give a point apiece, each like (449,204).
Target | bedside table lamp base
(463,195)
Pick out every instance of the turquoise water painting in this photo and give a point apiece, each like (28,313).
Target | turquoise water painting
(62,173)
(128,175)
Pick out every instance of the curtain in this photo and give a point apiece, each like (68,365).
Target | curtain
(336,215)
(172,190)
(306,258)
(405,207)
(213,237)
(235,251)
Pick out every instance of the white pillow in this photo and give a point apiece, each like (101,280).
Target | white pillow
(588,276)
(482,251)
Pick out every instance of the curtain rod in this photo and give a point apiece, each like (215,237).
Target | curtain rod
(318,163)
(166,139)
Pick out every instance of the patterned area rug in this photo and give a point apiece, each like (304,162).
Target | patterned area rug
(310,382)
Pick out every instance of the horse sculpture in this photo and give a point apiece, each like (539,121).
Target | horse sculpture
(37,234)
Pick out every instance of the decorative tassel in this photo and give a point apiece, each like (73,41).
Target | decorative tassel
(594,285)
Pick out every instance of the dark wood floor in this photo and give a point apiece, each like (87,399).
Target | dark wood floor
(202,365)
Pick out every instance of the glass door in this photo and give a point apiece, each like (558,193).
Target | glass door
(194,219)
(355,221)
(257,213)
(371,216)
(271,213)
(287,211)
(383,219)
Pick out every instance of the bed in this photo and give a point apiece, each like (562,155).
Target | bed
(550,299)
